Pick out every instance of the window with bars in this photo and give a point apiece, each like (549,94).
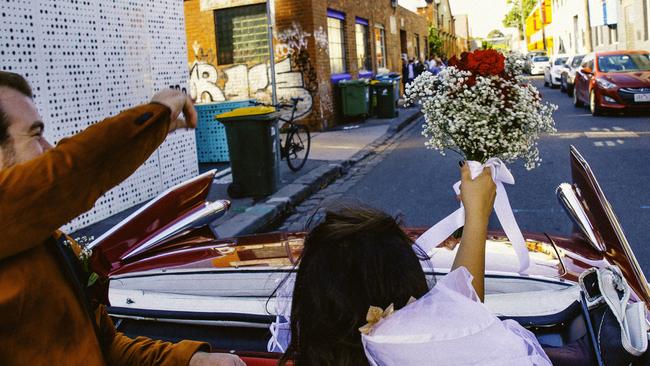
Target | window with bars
(380,46)
(363,47)
(241,34)
(336,39)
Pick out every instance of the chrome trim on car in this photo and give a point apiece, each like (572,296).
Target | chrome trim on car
(618,230)
(567,196)
(563,270)
(216,323)
(635,90)
(206,214)
(146,206)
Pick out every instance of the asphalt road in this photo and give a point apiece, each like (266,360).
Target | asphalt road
(416,182)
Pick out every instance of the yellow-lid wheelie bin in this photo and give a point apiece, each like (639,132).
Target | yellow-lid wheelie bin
(254,147)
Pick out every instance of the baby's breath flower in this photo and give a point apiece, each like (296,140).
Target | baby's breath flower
(491,117)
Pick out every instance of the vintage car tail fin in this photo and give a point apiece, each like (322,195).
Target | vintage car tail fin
(605,233)
(174,212)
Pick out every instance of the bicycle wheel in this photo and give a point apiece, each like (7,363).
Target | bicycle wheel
(297,147)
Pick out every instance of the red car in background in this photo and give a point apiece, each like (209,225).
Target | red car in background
(614,81)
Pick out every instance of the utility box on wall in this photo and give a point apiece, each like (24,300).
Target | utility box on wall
(88,60)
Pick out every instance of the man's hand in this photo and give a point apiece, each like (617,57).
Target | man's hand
(178,102)
(215,359)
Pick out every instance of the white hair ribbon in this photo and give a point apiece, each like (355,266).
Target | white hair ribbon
(447,226)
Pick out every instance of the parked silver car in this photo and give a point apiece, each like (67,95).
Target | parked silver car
(538,64)
(568,74)
(553,70)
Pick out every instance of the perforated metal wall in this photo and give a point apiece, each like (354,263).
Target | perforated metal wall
(90,59)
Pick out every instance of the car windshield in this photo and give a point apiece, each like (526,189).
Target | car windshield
(540,59)
(624,62)
(577,60)
(561,61)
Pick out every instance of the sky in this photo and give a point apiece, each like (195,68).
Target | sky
(484,15)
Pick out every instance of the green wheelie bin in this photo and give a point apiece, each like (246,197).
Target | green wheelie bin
(354,98)
(384,94)
(254,147)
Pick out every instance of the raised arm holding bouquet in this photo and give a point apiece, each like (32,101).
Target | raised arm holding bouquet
(481,108)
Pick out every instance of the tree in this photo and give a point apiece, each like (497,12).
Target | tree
(495,33)
(513,18)
(435,42)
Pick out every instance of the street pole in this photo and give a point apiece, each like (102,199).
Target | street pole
(523,24)
(542,13)
(589,47)
(269,22)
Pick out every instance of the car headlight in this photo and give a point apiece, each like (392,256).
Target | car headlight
(605,84)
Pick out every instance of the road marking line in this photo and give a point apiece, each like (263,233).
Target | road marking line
(645,207)
(608,134)
(610,143)
(616,128)
(620,142)
(535,210)
(594,128)
(598,134)
(598,143)
(606,129)
(568,135)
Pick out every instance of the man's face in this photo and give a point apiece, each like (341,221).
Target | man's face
(26,140)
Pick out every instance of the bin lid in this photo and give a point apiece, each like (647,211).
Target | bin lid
(257,112)
(344,83)
(383,83)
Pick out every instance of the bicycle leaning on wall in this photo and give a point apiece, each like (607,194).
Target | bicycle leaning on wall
(298,140)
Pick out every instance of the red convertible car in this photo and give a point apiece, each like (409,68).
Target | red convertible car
(172,279)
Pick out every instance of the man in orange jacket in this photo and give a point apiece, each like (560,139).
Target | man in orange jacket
(45,317)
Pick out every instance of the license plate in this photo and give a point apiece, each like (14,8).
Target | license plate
(642,97)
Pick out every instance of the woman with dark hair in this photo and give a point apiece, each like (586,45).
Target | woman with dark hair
(359,258)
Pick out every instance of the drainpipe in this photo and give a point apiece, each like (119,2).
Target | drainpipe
(588,42)
(269,22)
(542,13)
(523,24)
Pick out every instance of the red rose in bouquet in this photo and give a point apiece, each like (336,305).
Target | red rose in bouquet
(481,62)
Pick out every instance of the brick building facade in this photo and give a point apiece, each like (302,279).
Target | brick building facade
(316,43)
(439,16)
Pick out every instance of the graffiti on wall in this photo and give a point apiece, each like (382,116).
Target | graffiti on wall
(209,84)
(291,40)
(320,36)
(294,72)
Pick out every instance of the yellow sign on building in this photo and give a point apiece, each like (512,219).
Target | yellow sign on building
(536,23)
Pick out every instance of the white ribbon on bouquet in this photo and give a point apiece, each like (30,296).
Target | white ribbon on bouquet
(447,226)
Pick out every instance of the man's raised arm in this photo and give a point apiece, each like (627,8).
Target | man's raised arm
(40,195)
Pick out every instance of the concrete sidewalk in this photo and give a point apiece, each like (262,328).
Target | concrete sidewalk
(332,154)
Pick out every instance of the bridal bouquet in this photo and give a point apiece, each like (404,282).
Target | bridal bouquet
(481,108)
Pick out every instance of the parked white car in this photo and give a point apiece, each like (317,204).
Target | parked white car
(553,70)
(538,64)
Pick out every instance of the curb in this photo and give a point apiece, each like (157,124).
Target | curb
(279,205)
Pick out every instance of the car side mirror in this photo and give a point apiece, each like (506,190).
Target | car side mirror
(587,70)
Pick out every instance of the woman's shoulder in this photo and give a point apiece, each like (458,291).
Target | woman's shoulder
(458,280)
